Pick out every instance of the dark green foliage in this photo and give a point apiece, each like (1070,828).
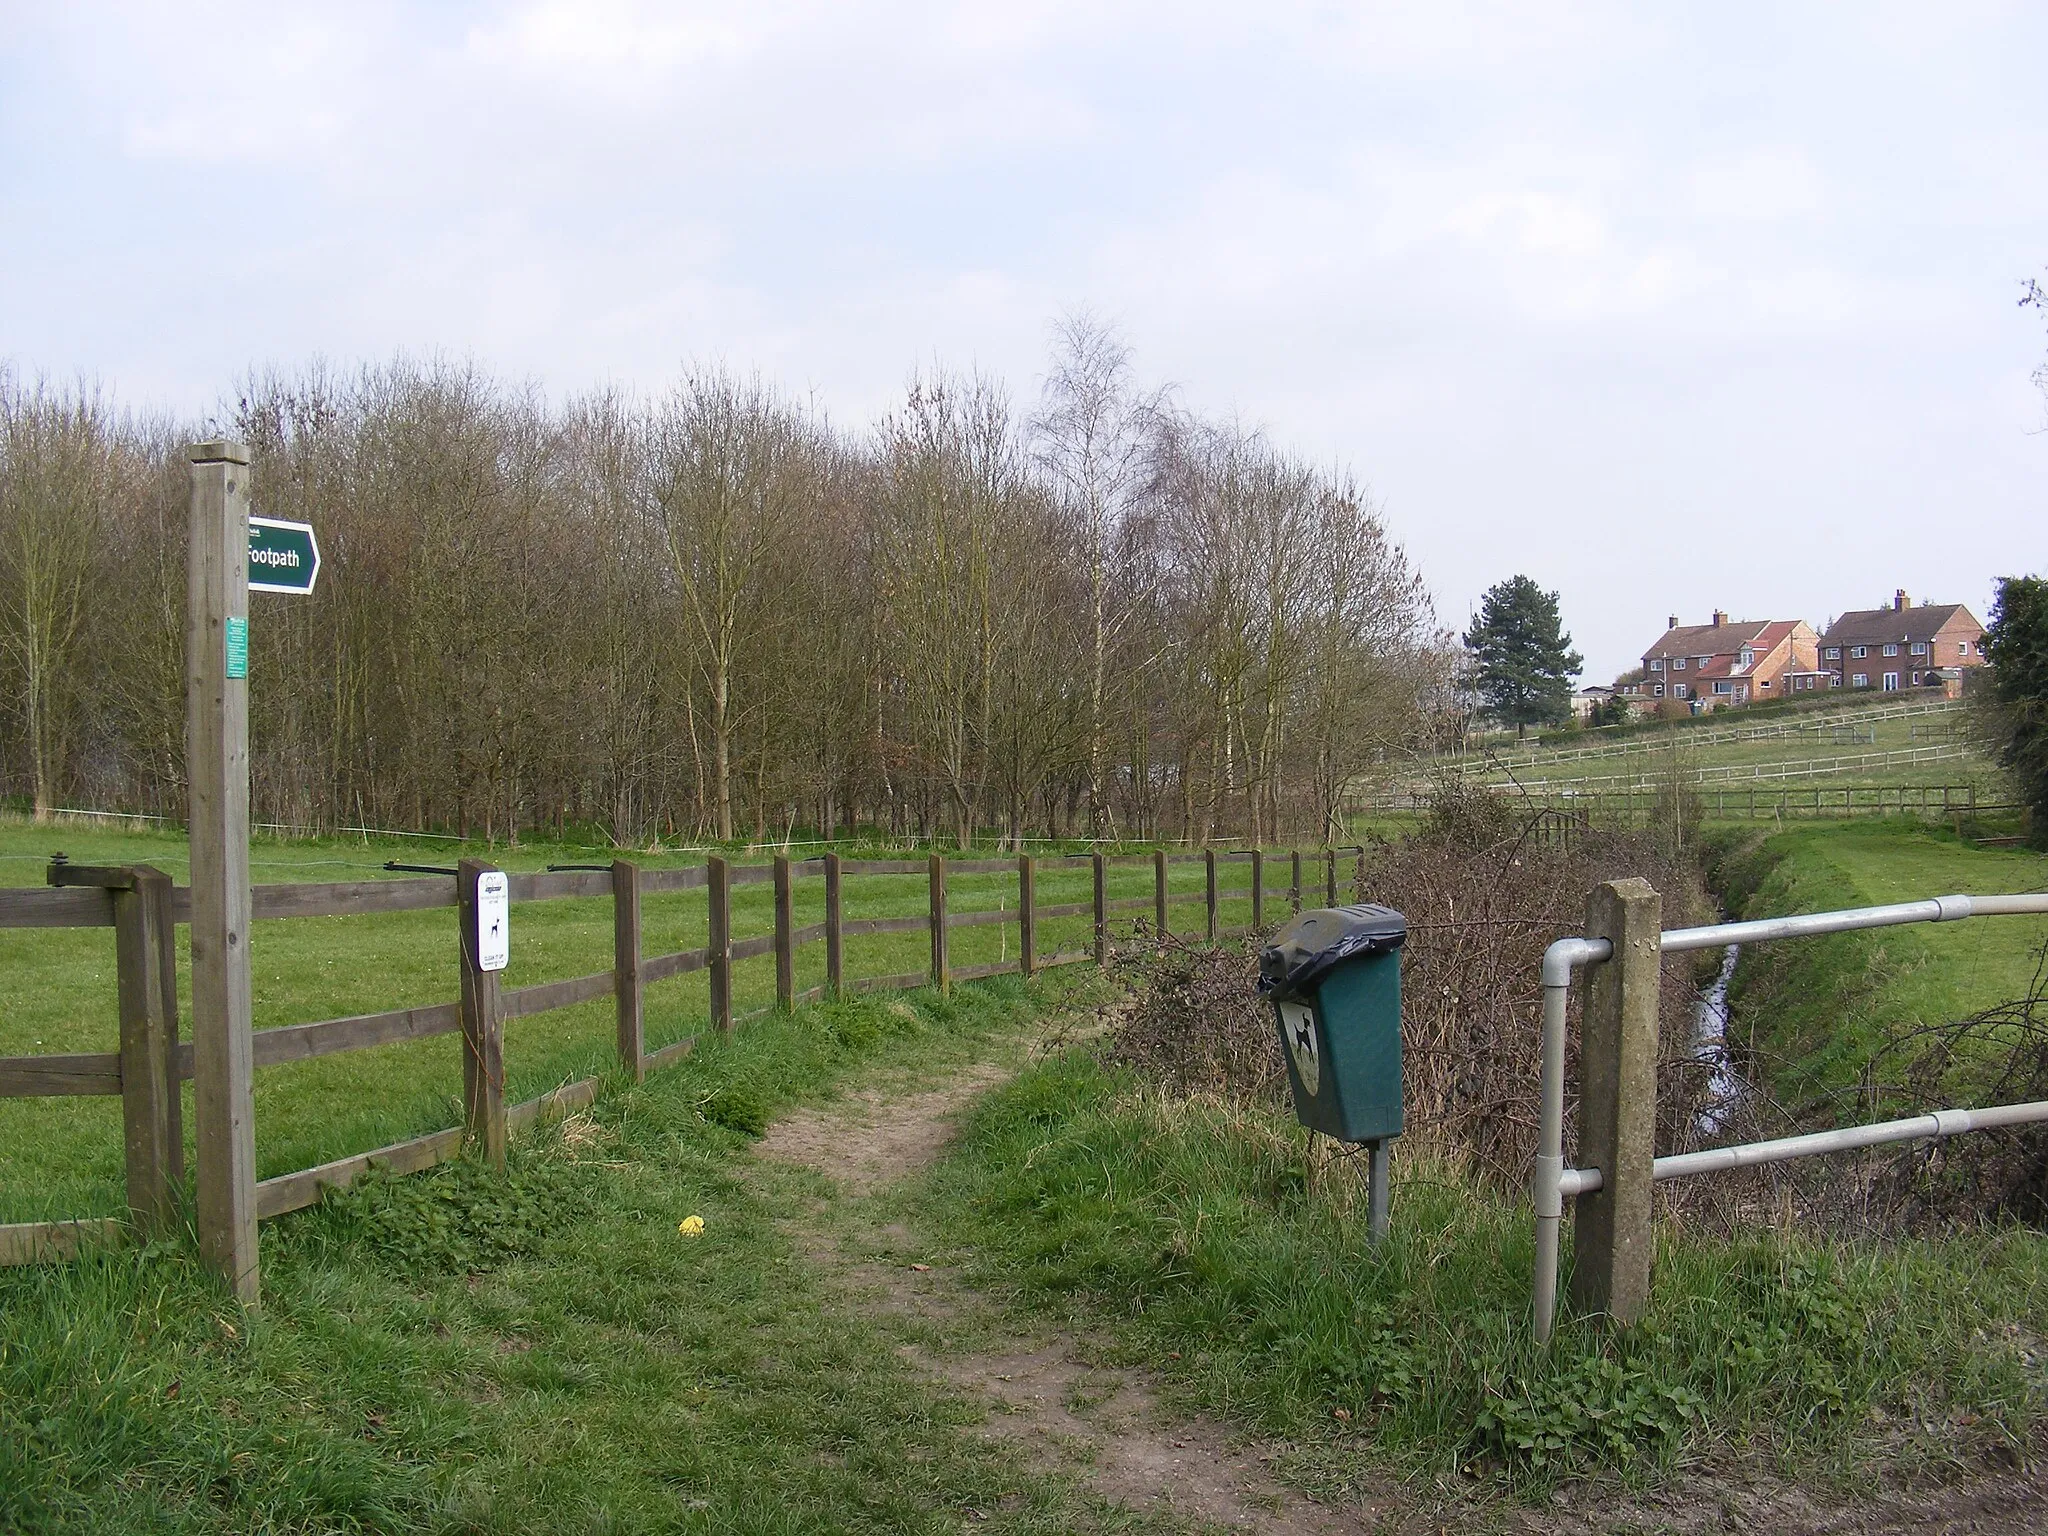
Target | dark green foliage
(737,1108)
(1525,661)
(2016,644)
(462,1217)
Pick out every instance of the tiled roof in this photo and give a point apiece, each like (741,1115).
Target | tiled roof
(1706,639)
(1883,626)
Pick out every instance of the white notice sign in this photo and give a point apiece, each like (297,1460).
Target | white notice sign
(1298,1025)
(493,920)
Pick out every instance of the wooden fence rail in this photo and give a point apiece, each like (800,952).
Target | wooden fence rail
(144,908)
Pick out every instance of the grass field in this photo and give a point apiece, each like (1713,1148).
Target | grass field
(1222,1242)
(1815,1010)
(461,1351)
(1756,763)
(61,1158)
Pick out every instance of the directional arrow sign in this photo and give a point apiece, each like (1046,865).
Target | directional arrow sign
(283,557)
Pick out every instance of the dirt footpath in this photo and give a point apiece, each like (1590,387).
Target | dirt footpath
(1050,1393)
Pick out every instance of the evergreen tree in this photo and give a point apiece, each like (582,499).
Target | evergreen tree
(2016,645)
(1523,658)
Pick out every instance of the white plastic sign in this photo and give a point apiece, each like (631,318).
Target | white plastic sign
(493,920)
(1298,1024)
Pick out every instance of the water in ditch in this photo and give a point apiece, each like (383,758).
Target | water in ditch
(1710,1044)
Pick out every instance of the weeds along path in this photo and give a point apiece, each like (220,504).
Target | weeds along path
(1050,1394)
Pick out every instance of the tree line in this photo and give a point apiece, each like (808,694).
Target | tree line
(712,613)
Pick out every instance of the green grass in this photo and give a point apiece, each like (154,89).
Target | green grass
(536,1351)
(61,1158)
(1225,1252)
(1816,1010)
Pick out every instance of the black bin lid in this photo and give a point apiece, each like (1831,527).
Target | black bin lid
(1315,942)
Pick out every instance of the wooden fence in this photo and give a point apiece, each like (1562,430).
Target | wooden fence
(1637,807)
(143,907)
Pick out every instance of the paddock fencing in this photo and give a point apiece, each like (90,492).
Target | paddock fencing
(144,907)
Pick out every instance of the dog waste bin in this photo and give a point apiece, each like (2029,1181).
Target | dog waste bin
(1334,976)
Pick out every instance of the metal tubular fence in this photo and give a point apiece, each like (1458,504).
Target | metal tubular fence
(1552,1181)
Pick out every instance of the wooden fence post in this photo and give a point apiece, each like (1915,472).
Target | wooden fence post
(146,966)
(1209,889)
(835,938)
(1159,895)
(217,772)
(942,965)
(626,984)
(1100,869)
(1612,1240)
(785,926)
(1027,914)
(1294,880)
(483,1029)
(1258,891)
(1330,859)
(718,941)
(1361,873)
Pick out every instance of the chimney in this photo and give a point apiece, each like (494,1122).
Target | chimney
(1720,618)
(1672,622)
(1899,602)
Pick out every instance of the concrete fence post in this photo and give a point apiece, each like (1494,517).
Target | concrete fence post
(1612,1240)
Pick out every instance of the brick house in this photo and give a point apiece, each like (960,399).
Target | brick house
(1902,646)
(1721,664)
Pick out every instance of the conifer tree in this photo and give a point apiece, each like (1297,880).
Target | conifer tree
(1523,660)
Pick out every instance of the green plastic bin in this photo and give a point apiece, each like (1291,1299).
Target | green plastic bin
(1334,978)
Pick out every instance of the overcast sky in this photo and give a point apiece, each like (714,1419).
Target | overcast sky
(1671,308)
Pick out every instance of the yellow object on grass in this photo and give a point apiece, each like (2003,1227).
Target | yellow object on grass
(691,1226)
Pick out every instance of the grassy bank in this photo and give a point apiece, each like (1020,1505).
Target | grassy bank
(1226,1252)
(1813,1013)
(62,1158)
(540,1351)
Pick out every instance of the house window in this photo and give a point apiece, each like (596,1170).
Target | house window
(1747,658)
(1962,647)
(1891,682)
(1763,682)
(1678,691)
(1858,652)
(1658,690)
(1657,663)
(1860,680)
(1892,649)
(1919,647)
(1678,664)
(1834,653)
(1724,688)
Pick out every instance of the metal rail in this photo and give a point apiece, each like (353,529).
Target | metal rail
(1553,1180)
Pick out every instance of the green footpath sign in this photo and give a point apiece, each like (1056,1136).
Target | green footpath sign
(283,557)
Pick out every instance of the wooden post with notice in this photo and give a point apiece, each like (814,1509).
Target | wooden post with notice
(626,983)
(146,971)
(1159,895)
(1612,1240)
(835,935)
(1258,892)
(1100,869)
(483,1026)
(942,964)
(1027,914)
(217,774)
(785,927)
(1209,889)
(718,941)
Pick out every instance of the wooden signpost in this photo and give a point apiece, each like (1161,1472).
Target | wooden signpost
(229,554)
